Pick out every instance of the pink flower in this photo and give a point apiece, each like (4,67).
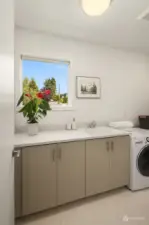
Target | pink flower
(47,92)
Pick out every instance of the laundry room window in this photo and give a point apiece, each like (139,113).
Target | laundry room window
(40,74)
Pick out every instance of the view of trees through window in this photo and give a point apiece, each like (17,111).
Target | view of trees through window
(40,75)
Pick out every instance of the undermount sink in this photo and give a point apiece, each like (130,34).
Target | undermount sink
(100,130)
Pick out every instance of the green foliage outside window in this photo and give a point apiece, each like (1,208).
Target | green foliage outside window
(49,84)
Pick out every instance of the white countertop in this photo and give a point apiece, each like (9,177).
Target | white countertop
(47,137)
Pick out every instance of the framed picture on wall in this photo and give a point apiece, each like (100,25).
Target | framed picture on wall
(88,87)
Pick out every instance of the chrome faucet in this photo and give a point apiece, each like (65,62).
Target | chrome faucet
(92,124)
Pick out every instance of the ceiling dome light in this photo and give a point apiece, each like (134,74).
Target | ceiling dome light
(95,7)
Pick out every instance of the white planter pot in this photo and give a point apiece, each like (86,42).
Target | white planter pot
(32,129)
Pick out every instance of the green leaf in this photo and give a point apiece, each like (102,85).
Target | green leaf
(36,105)
(40,116)
(35,109)
(24,113)
(30,107)
(45,105)
(21,99)
(44,113)
(23,109)
(41,105)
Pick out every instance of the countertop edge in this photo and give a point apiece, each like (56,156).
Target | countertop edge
(23,145)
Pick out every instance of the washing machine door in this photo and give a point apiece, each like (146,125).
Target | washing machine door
(143,161)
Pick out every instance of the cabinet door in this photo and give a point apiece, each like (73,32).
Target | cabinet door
(119,161)
(71,171)
(97,166)
(38,178)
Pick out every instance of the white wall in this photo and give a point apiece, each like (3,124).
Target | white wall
(124,78)
(6,111)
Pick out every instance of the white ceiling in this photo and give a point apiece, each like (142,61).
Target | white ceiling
(117,27)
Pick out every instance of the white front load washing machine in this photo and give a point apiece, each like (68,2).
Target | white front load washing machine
(139,158)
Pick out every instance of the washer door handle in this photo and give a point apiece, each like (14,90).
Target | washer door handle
(139,142)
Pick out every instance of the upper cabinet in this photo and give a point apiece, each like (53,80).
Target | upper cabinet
(38,178)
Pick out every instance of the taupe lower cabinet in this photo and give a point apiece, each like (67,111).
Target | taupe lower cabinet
(38,178)
(51,175)
(97,166)
(119,161)
(107,164)
(71,172)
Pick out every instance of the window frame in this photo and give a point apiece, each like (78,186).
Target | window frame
(58,107)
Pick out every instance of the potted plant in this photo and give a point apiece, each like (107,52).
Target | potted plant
(35,107)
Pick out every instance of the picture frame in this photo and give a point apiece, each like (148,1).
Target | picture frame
(88,87)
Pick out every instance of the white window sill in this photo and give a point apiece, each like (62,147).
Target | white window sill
(62,108)
(55,108)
